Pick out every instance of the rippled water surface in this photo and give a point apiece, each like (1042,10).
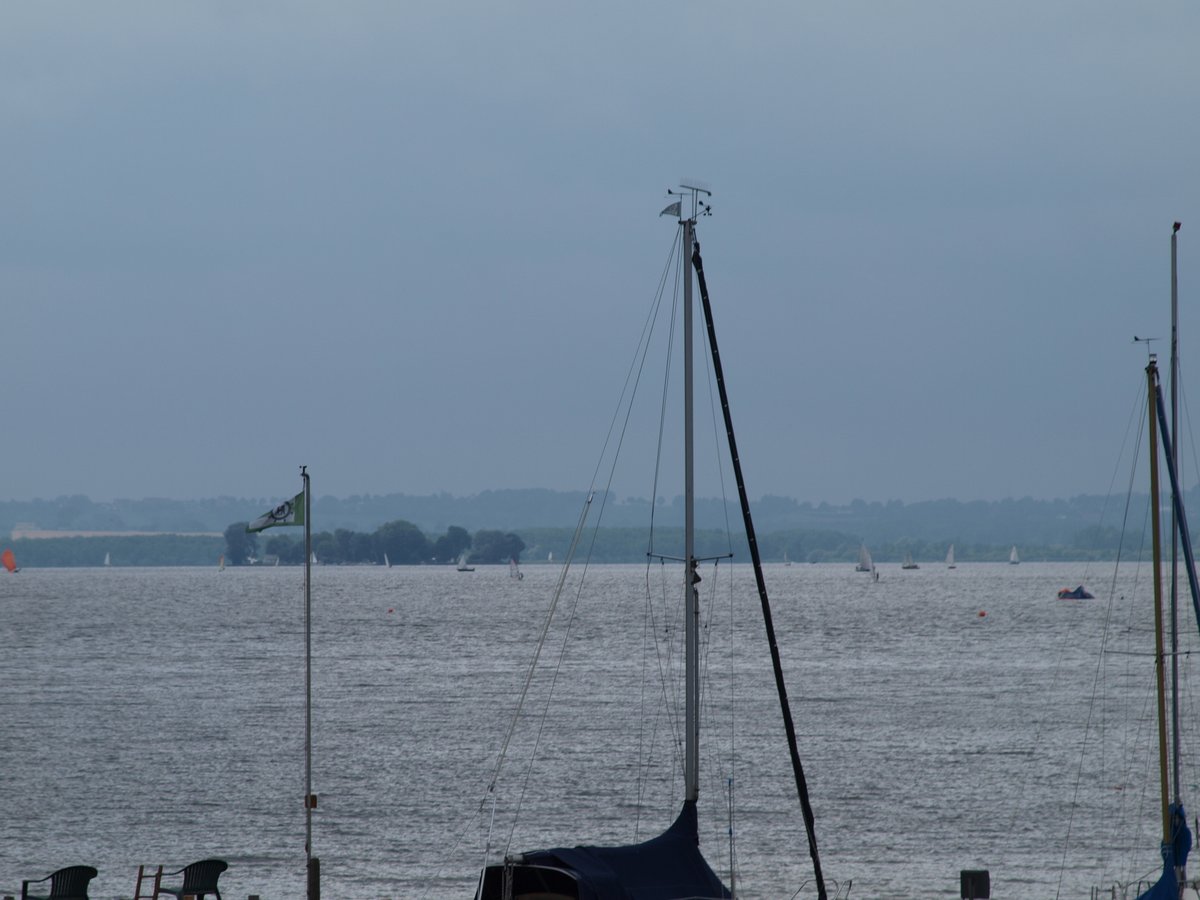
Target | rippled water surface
(947,720)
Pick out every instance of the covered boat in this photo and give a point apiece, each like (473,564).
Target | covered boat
(663,868)
(1079,593)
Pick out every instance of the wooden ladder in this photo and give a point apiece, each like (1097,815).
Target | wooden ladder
(151,877)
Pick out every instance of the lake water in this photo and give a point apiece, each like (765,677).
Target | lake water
(157,716)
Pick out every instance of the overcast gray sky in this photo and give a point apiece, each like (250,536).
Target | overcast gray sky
(411,244)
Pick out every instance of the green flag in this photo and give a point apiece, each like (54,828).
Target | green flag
(290,512)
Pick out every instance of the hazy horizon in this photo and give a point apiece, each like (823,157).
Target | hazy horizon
(619,496)
(411,246)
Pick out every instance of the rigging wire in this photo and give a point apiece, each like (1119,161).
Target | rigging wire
(629,388)
(1097,681)
(644,757)
(1188,762)
(662,409)
(625,403)
(664,637)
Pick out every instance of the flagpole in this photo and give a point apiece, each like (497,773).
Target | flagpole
(312,866)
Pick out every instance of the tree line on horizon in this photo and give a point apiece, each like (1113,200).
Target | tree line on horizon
(398,543)
(541,545)
(1024,522)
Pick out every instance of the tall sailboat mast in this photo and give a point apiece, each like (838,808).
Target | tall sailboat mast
(1176,745)
(691,759)
(1159,649)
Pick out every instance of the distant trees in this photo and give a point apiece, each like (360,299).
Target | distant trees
(1025,522)
(240,547)
(286,550)
(132,550)
(495,547)
(403,543)
(451,544)
(399,542)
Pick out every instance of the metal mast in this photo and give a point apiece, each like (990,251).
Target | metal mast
(1159,650)
(1176,744)
(312,864)
(691,759)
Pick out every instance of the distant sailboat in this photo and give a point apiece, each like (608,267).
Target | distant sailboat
(1013,559)
(908,562)
(864,560)
(9,560)
(514,571)
(107,561)
(462,563)
(387,562)
(950,557)
(220,562)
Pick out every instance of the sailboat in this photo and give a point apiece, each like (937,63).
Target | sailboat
(671,865)
(387,562)
(1013,559)
(950,557)
(908,562)
(864,560)
(107,560)
(9,560)
(514,571)
(462,563)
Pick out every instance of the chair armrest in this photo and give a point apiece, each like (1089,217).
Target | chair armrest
(27,882)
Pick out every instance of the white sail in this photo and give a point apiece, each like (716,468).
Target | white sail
(864,560)
(950,557)
(1013,559)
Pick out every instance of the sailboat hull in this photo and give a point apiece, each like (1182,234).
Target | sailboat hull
(667,867)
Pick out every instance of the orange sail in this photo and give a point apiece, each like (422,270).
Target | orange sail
(10,561)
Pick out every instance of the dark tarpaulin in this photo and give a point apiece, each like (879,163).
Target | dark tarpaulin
(667,867)
(1174,854)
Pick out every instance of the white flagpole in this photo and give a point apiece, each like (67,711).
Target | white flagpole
(311,865)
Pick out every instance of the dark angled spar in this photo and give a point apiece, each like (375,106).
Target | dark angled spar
(669,866)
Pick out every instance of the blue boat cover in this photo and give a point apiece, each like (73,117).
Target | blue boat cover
(1079,593)
(1174,854)
(663,868)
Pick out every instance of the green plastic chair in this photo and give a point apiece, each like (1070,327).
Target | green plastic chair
(70,883)
(199,879)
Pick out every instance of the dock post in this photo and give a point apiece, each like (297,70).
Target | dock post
(975,884)
(314,878)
